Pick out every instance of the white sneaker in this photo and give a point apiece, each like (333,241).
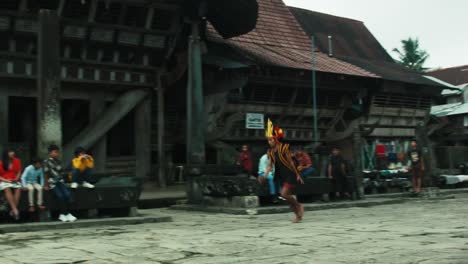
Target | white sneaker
(87,185)
(71,218)
(63,218)
(74,185)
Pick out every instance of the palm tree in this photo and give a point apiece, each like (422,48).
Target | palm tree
(412,55)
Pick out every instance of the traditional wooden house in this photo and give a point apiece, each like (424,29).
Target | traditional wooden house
(82,73)
(452,115)
(361,92)
(396,106)
(91,73)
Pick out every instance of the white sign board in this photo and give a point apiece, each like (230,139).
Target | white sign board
(254,121)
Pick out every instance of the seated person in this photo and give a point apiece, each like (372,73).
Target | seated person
(82,169)
(53,171)
(262,165)
(304,163)
(33,179)
(10,172)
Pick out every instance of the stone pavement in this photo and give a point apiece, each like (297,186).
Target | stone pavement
(421,231)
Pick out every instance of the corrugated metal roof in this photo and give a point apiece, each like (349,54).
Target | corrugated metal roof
(462,109)
(444,110)
(450,109)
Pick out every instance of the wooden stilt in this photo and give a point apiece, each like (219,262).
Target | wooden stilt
(4,120)
(143,138)
(357,145)
(97,107)
(161,142)
(48,82)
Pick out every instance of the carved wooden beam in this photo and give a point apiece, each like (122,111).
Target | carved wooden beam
(335,120)
(443,122)
(338,136)
(289,106)
(228,125)
(111,116)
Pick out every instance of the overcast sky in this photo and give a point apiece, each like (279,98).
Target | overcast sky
(440,25)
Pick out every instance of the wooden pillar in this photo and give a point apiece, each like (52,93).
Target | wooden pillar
(195,105)
(143,138)
(48,82)
(425,145)
(161,143)
(97,106)
(4,120)
(357,149)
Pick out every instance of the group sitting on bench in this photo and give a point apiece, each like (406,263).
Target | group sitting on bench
(336,171)
(42,176)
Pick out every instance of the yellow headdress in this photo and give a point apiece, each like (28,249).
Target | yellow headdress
(274,132)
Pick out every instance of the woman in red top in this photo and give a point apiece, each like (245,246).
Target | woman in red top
(245,160)
(10,172)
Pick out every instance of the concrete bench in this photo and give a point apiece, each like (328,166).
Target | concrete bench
(239,191)
(115,196)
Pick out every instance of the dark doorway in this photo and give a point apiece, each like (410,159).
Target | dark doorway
(121,138)
(75,118)
(22,124)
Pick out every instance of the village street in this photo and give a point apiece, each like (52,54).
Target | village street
(420,231)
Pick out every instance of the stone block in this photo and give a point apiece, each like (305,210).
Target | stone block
(133,211)
(236,201)
(430,192)
(92,213)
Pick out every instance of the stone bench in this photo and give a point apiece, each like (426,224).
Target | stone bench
(111,195)
(239,191)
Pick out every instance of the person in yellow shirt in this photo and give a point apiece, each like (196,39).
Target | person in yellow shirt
(83,165)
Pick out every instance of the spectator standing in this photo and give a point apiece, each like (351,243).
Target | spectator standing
(337,172)
(417,165)
(245,160)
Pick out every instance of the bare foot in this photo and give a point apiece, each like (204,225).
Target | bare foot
(31,209)
(300,209)
(14,214)
(42,207)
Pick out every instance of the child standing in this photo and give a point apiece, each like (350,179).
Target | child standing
(33,179)
(82,168)
(54,172)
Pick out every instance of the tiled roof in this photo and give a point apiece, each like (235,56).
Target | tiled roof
(455,75)
(355,44)
(350,38)
(278,40)
(391,71)
(297,58)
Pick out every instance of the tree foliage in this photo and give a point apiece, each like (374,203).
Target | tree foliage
(411,55)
